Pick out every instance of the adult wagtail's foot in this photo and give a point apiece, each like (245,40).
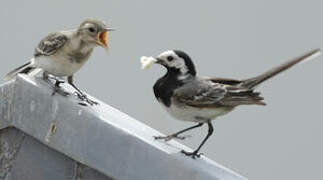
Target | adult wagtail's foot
(170,137)
(194,154)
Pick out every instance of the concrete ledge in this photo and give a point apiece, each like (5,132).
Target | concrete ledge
(100,137)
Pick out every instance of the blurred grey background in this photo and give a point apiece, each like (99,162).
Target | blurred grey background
(225,38)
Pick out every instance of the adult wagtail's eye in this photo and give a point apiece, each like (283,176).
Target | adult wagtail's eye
(91,29)
(170,58)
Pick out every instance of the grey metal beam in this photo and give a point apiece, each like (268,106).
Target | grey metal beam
(25,158)
(100,137)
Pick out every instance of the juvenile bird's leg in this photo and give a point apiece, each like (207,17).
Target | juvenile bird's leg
(176,135)
(56,87)
(196,154)
(46,76)
(79,93)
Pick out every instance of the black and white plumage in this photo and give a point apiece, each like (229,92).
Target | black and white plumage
(63,53)
(188,97)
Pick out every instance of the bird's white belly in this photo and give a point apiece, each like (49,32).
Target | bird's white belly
(57,66)
(187,113)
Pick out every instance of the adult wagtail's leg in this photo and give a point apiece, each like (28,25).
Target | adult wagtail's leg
(176,135)
(196,154)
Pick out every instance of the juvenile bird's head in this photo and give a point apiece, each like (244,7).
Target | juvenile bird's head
(176,61)
(94,32)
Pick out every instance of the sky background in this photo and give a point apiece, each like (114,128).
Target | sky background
(232,38)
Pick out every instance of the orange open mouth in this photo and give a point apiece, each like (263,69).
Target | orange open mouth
(102,39)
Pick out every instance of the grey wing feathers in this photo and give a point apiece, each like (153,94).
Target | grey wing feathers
(50,44)
(209,94)
(227,81)
(237,95)
(199,93)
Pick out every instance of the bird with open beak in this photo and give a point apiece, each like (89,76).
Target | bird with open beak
(63,53)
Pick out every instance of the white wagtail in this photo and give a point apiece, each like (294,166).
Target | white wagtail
(63,53)
(190,98)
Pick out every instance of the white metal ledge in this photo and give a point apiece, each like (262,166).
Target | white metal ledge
(100,137)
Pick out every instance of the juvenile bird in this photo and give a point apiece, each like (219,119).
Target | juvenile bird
(188,97)
(63,53)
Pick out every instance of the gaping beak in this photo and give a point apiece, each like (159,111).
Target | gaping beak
(102,38)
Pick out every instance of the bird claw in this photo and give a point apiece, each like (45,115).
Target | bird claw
(59,81)
(84,98)
(193,154)
(170,137)
(58,90)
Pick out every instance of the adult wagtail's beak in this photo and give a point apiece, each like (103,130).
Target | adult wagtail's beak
(160,61)
(102,38)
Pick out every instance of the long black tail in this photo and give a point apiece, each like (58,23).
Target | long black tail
(253,82)
(26,68)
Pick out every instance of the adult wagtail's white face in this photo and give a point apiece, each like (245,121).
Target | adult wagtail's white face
(176,61)
(94,32)
(170,59)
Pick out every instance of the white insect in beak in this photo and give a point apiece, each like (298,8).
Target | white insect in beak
(146,62)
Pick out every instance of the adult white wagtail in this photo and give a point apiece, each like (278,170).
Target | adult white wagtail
(63,53)
(190,98)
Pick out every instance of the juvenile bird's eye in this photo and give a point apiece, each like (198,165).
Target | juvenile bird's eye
(170,58)
(91,29)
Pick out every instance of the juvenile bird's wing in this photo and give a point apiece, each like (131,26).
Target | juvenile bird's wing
(50,44)
(206,93)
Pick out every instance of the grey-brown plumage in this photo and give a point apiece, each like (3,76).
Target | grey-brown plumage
(50,44)
(190,98)
(63,53)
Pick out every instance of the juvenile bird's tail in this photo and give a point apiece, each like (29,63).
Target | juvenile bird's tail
(253,82)
(26,68)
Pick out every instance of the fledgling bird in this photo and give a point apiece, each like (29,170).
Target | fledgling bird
(188,97)
(63,53)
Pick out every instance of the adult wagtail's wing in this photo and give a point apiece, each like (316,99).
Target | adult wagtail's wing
(205,93)
(200,93)
(50,44)
(226,81)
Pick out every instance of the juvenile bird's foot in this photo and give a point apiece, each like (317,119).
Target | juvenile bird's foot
(57,81)
(84,98)
(58,89)
(170,137)
(193,154)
